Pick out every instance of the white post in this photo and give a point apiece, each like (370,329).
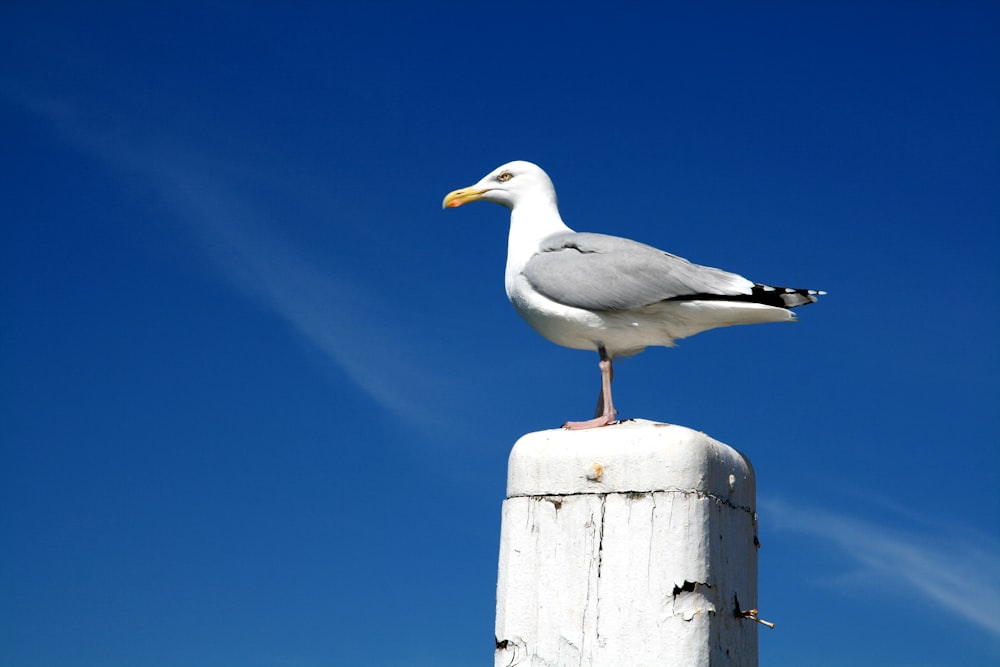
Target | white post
(629,545)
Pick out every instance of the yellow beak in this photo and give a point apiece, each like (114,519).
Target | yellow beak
(463,196)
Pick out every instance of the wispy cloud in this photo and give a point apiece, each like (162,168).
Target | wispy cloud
(952,569)
(353,327)
(349,324)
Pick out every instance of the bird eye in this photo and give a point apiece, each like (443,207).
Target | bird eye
(505,176)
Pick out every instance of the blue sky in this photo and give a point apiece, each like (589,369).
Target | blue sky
(258,390)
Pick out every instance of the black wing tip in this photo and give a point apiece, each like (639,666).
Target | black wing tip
(784,297)
(765,295)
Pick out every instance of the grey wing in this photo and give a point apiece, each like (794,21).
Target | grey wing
(604,273)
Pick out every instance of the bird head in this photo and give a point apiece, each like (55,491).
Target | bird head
(508,185)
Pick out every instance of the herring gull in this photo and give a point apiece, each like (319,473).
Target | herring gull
(610,294)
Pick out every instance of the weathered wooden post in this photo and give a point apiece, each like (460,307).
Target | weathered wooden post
(632,545)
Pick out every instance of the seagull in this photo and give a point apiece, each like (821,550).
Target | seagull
(609,294)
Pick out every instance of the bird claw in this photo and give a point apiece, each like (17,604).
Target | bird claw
(596,422)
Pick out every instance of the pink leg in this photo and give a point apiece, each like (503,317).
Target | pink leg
(605,407)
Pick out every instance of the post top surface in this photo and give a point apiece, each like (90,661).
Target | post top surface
(633,456)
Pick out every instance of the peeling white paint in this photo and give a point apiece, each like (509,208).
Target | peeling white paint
(641,566)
